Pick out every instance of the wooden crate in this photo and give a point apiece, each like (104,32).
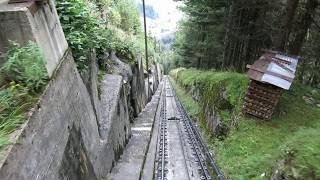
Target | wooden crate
(261,99)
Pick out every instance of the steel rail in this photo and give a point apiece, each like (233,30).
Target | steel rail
(205,150)
(195,146)
(182,141)
(197,135)
(193,140)
(162,141)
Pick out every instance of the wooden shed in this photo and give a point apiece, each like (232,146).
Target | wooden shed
(269,75)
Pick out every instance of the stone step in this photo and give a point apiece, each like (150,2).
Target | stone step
(131,163)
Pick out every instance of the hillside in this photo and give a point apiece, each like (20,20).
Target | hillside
(285,147)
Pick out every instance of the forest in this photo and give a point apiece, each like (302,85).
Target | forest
(123,102)
(228,35)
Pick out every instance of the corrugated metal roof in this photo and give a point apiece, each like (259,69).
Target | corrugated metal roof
(275,68)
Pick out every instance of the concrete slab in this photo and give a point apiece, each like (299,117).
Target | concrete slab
(149,166)
(131,163)
(176,159)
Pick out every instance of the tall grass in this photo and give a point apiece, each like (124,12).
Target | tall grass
(23,77)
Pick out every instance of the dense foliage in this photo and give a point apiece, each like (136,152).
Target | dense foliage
(25,66)
(219,34)
(23,77)
(221,92)
(285,148)
(103,25)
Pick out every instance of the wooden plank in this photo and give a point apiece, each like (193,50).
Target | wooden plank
(261,99)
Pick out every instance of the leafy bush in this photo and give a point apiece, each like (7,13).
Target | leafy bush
(25,65)
(25,76)
(130,19)
(85,29)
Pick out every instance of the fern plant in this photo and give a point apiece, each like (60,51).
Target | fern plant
(25,65)
(24,75)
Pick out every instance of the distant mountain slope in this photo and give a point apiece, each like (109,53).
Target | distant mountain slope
(150,12)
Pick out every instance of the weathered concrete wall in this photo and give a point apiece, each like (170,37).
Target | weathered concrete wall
(132,162)
(119,67)
(64,139)
(138,93)
(134,78)
(209,112)
(155,76)
(160,72)
(38,155)
(31,21)
(74,163)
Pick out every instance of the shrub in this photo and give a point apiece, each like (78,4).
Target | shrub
(25,76)
(25,66)
(85,29)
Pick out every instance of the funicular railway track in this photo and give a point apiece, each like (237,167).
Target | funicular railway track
(181,152)
(162,149)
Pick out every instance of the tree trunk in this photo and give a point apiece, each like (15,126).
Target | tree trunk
(287,21)
(306,21)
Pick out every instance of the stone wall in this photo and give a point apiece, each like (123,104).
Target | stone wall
(208,111)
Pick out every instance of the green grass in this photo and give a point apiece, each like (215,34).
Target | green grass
(253,149)
(14,103)
(189,104)
(234,84)
(23,77)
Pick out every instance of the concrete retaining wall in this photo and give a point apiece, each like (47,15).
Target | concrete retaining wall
(31,21)
(134,77)
(74,134)
(64,139)
(138,93)
(78,130)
